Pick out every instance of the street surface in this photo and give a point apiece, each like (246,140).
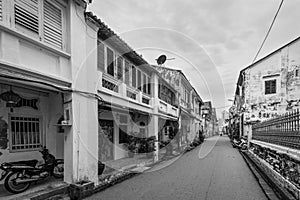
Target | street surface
(219,174)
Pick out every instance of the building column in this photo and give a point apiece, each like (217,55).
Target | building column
(154,120)
(81,140)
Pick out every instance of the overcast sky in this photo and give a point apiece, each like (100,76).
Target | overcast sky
(211,40)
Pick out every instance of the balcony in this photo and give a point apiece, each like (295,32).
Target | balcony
(119,89)
(168,109)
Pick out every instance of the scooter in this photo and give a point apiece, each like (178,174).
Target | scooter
(19,175)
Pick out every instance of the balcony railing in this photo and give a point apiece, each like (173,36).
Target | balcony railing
(119,89)
(168,108)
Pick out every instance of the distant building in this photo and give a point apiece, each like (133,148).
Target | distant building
(210,119)
(189,102)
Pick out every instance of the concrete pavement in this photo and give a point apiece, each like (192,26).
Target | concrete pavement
(212,171)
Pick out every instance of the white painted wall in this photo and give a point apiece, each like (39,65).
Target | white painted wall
(50,110)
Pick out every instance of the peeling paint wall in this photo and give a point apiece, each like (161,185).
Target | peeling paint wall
(280,66)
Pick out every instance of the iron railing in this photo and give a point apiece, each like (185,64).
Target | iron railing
(283,130)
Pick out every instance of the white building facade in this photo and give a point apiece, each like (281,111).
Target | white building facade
(48,68)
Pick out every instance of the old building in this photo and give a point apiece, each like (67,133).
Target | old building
(136,101)
(269,87)
(48,84)
(189,102)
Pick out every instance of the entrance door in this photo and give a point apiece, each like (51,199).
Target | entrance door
(106,140)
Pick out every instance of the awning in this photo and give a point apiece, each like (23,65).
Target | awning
(33,81)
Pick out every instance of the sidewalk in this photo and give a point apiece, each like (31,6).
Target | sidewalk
(49,184)
(115,171)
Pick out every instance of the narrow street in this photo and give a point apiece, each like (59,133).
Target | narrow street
(219,173)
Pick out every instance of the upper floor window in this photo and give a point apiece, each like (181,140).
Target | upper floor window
(270,87)
(120,68)
(43,19)
(127,73)
(149,85)
(110,62)
(133,72)
(145,83)
(165,94)
(1,10)
(139,80)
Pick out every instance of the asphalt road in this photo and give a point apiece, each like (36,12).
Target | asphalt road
(212,171)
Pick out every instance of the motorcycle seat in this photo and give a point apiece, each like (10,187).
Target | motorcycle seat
(25,162)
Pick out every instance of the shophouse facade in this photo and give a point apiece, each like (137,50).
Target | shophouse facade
(136,101)
(269,87)
(190,104)
(48,84)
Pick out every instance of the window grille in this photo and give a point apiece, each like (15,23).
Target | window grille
(26,133)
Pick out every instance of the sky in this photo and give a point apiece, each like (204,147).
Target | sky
(211,40)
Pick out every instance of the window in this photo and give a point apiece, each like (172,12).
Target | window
(53,25)
(297,73)
(270,87)
(123,137)
(133,71)
(120,68)
(149,85)
(139,80)
(0,10)
(127,73)
(110,62)
(27,15)
(144,83)
(25,133)
(41,19)
(100,56)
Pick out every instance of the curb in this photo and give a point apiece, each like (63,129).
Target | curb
(267,182)
(46,193)
(271,195)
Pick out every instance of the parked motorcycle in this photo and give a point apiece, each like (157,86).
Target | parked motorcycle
(19,175)
(240,143)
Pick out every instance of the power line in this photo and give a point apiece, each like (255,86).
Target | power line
(262,44)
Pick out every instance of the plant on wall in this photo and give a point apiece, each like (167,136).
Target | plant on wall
(3,134)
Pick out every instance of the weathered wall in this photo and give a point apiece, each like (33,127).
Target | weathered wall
(280,66)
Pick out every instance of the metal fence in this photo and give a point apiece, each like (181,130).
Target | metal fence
(283,130)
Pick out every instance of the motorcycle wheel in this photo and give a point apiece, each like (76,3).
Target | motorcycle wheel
(58,171)
(11,186)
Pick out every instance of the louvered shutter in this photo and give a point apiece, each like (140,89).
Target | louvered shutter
(52,25)
(0,10)
(27,14)
(100,53)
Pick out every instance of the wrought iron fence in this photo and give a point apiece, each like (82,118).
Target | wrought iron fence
(283,130)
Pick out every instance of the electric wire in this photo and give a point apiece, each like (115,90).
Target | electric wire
(269,30)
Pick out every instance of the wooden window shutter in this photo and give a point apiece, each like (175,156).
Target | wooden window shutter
(100,53)
(27,14)
(0,10)
(53,28)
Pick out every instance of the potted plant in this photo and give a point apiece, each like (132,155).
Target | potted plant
(132,146)
(150,145)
